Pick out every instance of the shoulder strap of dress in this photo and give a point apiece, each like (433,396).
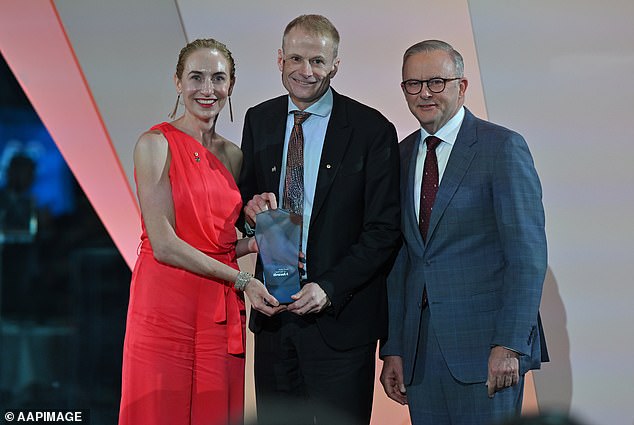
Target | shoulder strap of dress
(163,127)
(167,130)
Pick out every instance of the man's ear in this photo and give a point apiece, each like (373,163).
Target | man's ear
(280,59)
(335,68)
(463,87)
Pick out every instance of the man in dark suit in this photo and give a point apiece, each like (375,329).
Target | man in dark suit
(465,289)
(322,348)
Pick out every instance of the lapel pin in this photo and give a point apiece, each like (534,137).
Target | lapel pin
(274,169)
(196,157)
(328,166)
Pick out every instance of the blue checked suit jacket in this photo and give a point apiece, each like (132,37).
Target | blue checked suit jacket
(484,262)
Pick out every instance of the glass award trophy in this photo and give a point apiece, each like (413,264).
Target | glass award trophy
(278,234)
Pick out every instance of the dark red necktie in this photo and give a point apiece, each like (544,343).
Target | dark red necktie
(428,190)
(294,181)
(429,186)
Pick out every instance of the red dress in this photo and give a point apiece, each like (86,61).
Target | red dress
(183,356)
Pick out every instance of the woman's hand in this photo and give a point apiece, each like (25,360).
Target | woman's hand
(260,298)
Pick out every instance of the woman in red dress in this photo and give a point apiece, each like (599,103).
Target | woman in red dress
(183,356)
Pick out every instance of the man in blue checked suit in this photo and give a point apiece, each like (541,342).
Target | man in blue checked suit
(465,289)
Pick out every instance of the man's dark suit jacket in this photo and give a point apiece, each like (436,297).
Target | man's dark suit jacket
(354,228)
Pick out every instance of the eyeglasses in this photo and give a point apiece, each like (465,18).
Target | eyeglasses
(435,85)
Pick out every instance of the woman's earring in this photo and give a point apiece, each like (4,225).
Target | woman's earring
(230,110)
(173,114)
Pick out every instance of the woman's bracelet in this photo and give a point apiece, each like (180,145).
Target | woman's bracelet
(242,280)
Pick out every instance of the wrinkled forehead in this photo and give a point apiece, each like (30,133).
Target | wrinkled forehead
(428,64)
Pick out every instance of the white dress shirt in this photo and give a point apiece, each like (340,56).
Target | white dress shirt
(447,134)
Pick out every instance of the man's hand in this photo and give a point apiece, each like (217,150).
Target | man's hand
(504,368)
(258,204)
(310,299)
(392,379)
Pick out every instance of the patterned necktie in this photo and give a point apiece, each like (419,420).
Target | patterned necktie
(294,181)
(429,187)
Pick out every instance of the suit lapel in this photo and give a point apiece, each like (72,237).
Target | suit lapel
(409,209)
(336,143)
(273,138)
(457,166)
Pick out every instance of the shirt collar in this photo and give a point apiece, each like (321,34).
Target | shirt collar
(449,132)
(322,107)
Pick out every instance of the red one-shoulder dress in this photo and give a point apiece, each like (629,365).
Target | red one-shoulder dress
(183,355)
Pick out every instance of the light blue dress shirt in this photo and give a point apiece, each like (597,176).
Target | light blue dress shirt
(314,129)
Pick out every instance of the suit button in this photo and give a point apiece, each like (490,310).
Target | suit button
(428,263)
